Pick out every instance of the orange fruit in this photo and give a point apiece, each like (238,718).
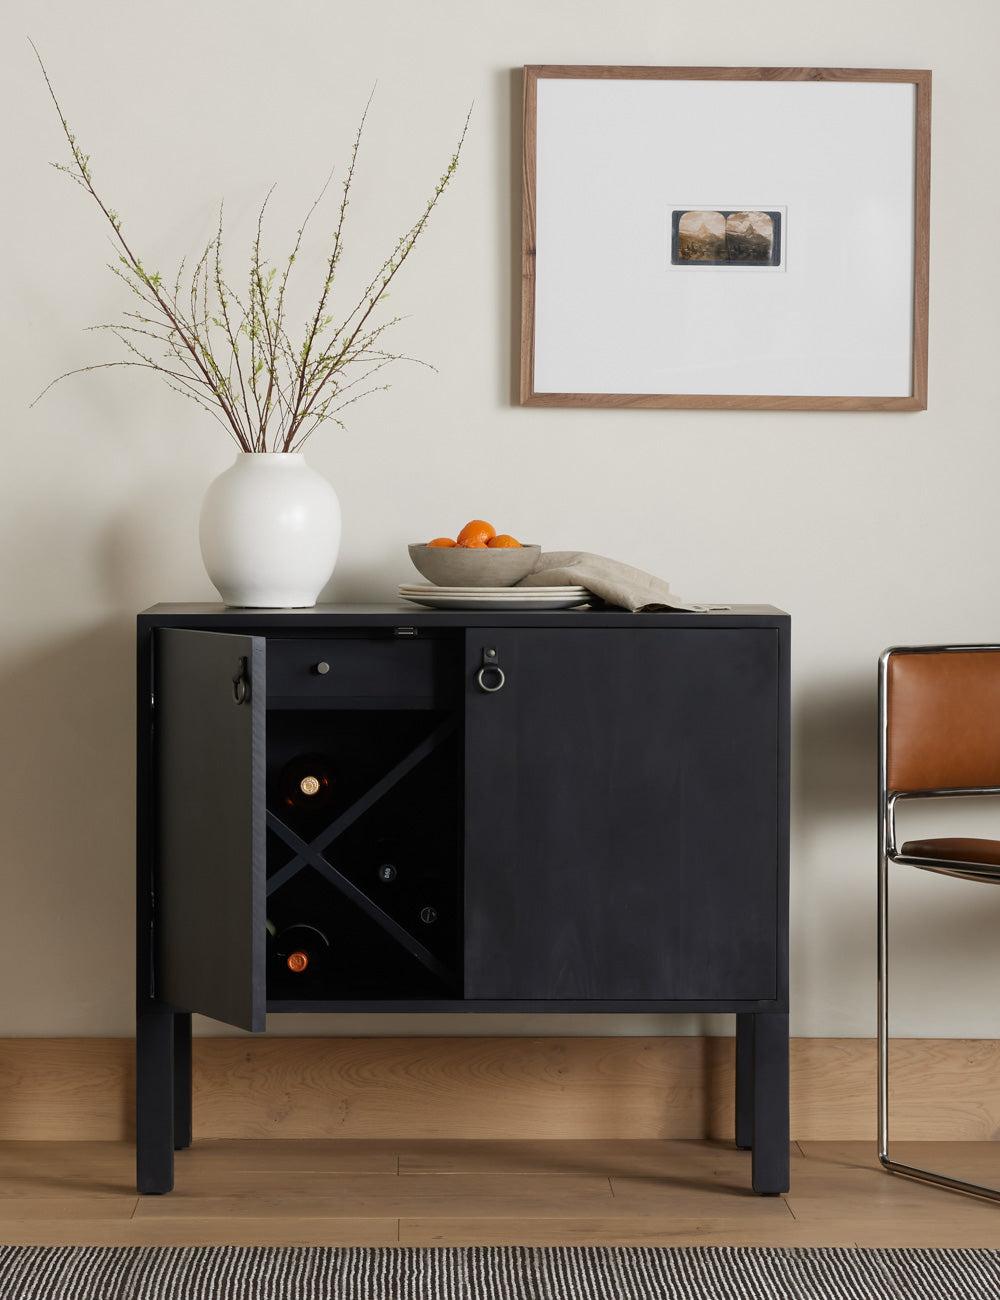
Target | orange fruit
(441,541)
(502,542)
(474,544)
(477,532)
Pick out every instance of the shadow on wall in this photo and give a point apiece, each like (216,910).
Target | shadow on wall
(834,752)
(357,582)
(67,699)
(833,792)
(67,809)
(944,931)
(151,544)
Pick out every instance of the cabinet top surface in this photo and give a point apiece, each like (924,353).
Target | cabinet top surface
(214,614)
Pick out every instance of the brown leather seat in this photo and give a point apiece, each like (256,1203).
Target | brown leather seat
(979,852)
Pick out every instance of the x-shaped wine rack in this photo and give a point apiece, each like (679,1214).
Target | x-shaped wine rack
(311,853)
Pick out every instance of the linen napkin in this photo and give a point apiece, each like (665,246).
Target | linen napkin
(612,581)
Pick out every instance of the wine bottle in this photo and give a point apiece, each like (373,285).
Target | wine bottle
(307,783)
(300,949)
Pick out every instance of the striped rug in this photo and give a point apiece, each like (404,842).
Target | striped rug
(493,1273)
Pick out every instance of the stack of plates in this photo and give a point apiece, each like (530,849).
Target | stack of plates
(494,597)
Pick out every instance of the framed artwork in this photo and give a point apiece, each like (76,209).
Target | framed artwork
(725,237)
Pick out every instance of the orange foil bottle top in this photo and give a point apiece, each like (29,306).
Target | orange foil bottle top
(302,950)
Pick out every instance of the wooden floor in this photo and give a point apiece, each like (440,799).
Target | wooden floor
(552,1192)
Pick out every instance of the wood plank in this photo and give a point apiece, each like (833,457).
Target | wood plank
(498,1088)
(685,1193)
(308,1195)
(529,150)
(56,1209)
(978,1235)
(67,1088)
(884,1215)
(640,72)
(52,1170)
(921,237)
(476,1088)
(841,1186)
(861,1188)
(657,1158)
(648,1230)
(978,1160)
(281,1155)
(203,1232)
(724,402)
(942,1089)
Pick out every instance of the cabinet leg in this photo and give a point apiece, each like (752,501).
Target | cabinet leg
(182,1080)
(770,1103)
(744,1080)
(154,1098)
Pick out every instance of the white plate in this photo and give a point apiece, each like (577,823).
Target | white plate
(437,598)
(420,589)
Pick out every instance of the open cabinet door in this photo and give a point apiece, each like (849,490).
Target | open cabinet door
(209,870)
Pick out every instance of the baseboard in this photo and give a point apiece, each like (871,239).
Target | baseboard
(82,1088)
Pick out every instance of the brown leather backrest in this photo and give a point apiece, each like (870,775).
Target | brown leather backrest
(943,719)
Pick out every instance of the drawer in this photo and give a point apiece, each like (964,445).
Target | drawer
(361,672)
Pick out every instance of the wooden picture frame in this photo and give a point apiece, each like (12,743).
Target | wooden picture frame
(911,307)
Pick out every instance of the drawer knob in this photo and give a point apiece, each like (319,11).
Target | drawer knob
(322,668)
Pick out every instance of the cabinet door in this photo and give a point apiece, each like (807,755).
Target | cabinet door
(209,824)
(622,814)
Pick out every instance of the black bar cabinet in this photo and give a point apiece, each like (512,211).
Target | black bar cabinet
(567,811)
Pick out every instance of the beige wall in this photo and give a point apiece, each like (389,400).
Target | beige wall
(870,529)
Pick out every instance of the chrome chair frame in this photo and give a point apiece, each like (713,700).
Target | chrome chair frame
(888,853)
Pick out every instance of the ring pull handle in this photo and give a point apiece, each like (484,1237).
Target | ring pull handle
(241,684)
(491,677)
(498,679)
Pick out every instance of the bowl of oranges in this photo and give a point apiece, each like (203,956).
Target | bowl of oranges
(478,557)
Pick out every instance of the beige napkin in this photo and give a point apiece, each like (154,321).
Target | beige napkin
(615,583)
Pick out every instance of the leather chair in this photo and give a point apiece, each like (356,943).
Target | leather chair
(939,736)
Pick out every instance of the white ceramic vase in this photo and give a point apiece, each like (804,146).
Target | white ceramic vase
(270,531)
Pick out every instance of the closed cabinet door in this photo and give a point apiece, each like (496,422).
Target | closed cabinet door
(208,873)
(622,805)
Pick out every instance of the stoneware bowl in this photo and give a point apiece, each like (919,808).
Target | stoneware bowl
(460,566)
